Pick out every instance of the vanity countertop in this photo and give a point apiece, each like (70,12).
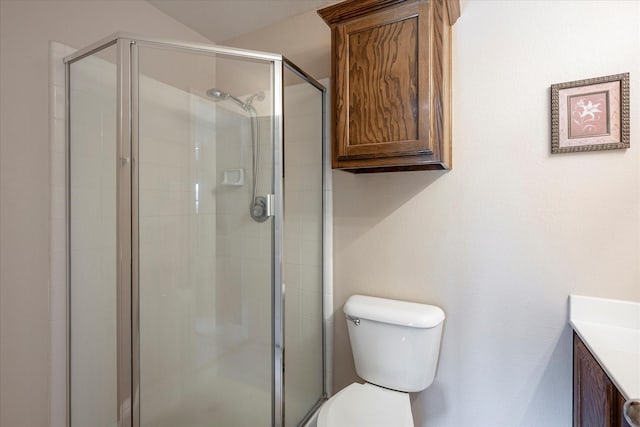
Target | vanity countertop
(611,331)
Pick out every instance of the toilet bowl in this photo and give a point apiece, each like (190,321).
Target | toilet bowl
(366,405)
(395,348)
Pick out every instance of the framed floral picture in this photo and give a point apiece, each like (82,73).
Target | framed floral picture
(590,115)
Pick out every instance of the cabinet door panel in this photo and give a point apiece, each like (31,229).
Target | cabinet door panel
(383,88)
(620,419)
(594,403)
(382,76)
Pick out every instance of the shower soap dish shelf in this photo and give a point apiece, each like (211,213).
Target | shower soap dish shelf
(233,177)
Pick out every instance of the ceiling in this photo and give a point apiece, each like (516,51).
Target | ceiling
(220,20)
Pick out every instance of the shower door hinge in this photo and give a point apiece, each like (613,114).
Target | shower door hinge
(270,202)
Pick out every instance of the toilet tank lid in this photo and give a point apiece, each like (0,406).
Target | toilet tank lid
(395,312)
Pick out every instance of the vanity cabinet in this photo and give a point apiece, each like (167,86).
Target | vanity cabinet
(596,400)
(391,75)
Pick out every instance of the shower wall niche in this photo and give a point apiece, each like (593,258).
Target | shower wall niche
(195,195)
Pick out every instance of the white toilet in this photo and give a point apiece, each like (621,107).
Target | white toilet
(395,349)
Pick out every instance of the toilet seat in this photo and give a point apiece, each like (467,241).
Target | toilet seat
(366,405)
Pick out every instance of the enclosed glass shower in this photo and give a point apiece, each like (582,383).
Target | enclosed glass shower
(194,193)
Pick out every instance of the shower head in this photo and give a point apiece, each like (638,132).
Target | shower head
(221,95)
(216,93)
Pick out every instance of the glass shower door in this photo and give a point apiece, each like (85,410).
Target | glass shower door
(303,239)
(205,151)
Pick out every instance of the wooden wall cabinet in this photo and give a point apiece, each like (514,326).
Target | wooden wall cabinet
(391,74)
(596,400)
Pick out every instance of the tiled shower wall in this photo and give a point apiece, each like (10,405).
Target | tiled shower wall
(244,257)
(177,244)
(177,241)
(177,238)
(201,236)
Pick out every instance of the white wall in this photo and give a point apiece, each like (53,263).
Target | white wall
(501,240)
(26,27)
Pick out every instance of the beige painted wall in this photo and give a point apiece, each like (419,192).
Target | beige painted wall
(26,27)
(304,39)
(501,240)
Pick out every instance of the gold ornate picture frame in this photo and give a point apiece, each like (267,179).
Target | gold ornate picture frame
(590,115)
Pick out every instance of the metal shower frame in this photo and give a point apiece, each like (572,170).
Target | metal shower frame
(128,333)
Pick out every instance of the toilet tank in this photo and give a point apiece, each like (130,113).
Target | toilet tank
(395,343)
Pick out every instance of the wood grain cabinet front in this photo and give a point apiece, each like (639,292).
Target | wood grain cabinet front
(596,400)
(391,83)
